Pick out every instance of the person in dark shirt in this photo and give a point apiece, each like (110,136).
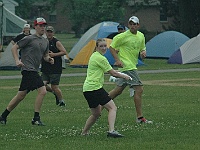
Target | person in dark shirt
(121,28)
(51,73)
(25,32)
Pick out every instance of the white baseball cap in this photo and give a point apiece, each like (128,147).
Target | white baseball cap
(26,25)
(134,19)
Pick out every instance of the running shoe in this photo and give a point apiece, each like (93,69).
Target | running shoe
(143,120)
(114,134)
(2,120)
(37,121)
(61,103)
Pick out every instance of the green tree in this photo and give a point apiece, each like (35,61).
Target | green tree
(24,8)
(189,11)
(90,12)
(186,15)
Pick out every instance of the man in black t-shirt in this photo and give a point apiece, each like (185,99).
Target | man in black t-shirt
(51,73)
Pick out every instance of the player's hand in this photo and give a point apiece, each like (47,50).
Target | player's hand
(125,76)
(119,64)
(51,54)
(51,61)
(19,63)
(143,54)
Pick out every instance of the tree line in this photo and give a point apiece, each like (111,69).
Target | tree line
(186,13)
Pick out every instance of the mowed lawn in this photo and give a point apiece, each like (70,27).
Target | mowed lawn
(170,100)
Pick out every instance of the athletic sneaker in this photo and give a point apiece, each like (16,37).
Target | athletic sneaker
(143,120)
(61,103)
(114,134)
(57,100)
(2,120)
(37,121)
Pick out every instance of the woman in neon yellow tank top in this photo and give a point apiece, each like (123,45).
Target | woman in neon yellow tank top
(93,90)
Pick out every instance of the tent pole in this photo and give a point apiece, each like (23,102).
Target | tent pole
(1,44)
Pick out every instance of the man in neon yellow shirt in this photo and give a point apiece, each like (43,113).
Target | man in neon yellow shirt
(125,49)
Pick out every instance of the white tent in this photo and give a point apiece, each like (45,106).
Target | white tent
(11,24)
(7,61)
(189,52)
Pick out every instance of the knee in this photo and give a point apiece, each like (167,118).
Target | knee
(97,115)
(42,91)
(115,108)
(139,91)
(119,92)
(54,88)
(21,96)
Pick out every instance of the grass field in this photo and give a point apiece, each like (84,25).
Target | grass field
(170,100)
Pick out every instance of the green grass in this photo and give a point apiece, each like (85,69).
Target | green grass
(174,110)
(171,100)
(68,40)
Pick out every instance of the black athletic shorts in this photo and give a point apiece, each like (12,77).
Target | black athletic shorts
(31,80)
(51,78)
(97,97)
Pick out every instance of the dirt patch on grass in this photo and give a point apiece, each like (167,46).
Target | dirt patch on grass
(173,82)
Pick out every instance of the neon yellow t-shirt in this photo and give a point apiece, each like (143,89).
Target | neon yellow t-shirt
(97,66)
(129,45)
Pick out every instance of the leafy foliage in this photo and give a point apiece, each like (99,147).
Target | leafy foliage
(90,12)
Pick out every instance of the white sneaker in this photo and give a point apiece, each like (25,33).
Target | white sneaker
(112,79)
(143,120)
(132,91)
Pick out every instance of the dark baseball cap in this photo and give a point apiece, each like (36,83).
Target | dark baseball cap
(120,26)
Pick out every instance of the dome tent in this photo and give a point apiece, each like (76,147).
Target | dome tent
(189,52)
(165,44)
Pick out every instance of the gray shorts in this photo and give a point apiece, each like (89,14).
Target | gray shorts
(134,82)
(51,78)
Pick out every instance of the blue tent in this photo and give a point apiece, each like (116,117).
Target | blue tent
(165,44)
(111,59)
(100,30)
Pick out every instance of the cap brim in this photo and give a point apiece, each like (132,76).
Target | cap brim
(42,23)
(133,21)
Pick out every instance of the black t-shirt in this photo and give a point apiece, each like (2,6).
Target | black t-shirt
(19,37)
(111,36)
(55,68)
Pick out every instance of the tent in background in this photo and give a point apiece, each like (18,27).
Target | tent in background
(165,44)
(189,52)
(84,48)
(82,58)
(100,30)
(7,61)
(12,25)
